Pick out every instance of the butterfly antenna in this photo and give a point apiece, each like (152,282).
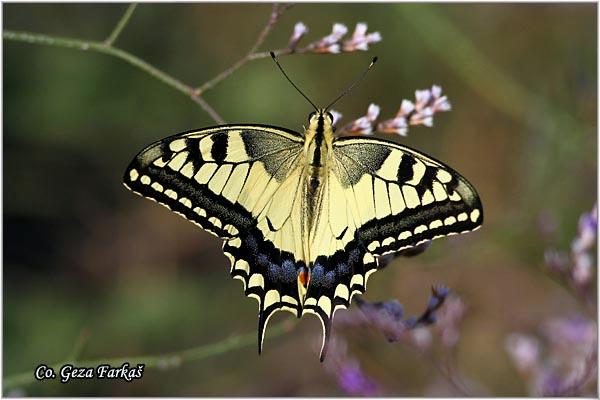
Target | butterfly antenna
(356,82)
(274,57)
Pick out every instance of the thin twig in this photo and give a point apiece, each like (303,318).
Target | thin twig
(120,25)
(454,374)
(79,345)
(278,10)
(281,52)
(161,361)
(450,376)
(583,297)
(100,47)
(207,107)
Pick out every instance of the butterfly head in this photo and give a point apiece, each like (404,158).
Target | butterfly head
(321,117)
(319,136)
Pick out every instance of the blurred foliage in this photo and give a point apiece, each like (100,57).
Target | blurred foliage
(83,254)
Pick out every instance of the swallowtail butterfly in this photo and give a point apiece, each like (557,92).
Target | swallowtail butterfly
(304,216)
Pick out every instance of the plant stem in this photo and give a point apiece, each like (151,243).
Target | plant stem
(276,13)
(120,25)
(79,345)
(160,361)
(100,47)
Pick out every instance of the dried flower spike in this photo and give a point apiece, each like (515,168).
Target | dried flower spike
(583,264)
(330,43)
(299,31)
(449,321)
(350,377)
(364,125)
(361,39)
(333,44)
(427,103)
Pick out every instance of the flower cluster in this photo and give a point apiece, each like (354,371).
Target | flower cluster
(349,375)
(577,268)
(387,318)
(427,103)
(362,126)
(334,43)
(562,361)
(450,320)
(581,248)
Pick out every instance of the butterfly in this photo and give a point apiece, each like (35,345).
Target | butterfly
(304,216)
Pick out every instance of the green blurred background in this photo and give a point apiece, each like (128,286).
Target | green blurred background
(84,255)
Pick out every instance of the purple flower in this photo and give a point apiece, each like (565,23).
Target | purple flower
(578,272)
(524,351)
(582,268)
(346,369)
(388,318)
(550,384)
(588,226)
(569,344)
(449,321)
(569,360)
(583,264)
(571,333)
(353,381)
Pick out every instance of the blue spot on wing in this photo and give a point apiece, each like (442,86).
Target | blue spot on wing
(329,279)
(317,274)
(343,268)
(354,256)
(274,272)
(251,243)
(262,260)
(288,271)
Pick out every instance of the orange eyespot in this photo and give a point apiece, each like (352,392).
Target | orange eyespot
(304,277)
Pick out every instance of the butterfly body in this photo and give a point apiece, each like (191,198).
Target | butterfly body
(318,151)
(304,217)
